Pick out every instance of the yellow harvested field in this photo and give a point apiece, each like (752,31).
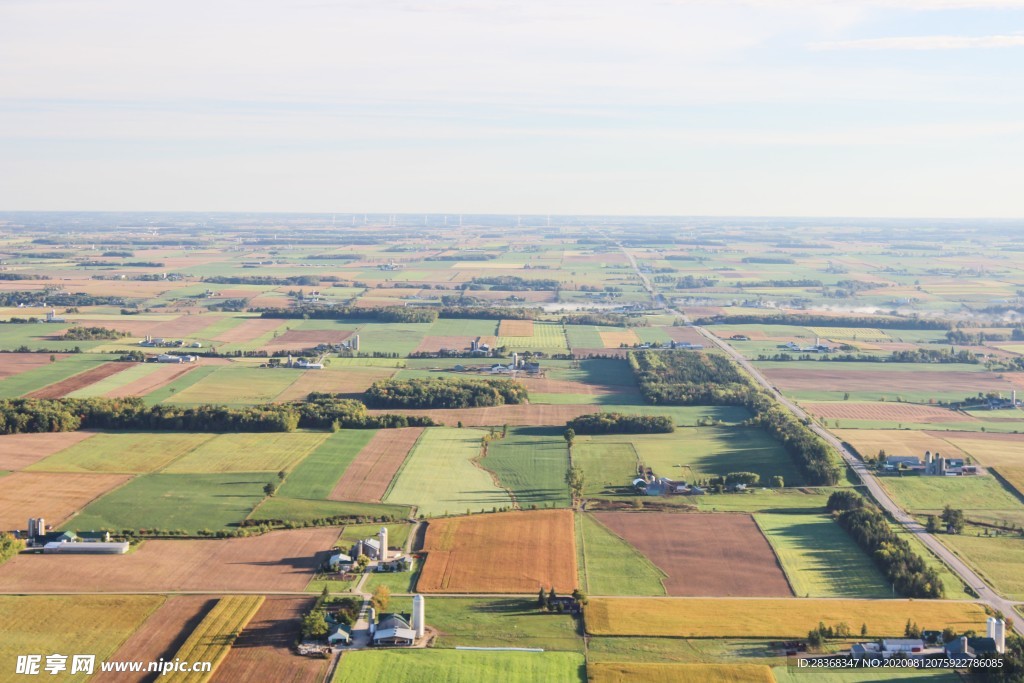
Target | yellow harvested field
(898,442)
(216,633)
(613,339)
(255,452)
(850,333)
(996,450)
(614,672)
(1014,476)
(515,328)
(87,624)
(771,618)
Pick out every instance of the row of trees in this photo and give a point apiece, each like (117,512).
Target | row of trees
(384,314)
(19,416)
(514,283)
(92,334)
(907,570)
(449,392)
(617,423)
(812,320)
(678,377)
(906,356)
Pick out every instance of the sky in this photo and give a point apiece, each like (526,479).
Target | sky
(904,108)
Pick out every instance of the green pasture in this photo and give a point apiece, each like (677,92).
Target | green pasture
(999,560)
(500,622)
(982,498)
(531,462)
(175,501)
(315,476)
(608,565)
(820,559)
(43,376)
(182,383)
(609,465)
(460,666)
(440,476)
(302,510)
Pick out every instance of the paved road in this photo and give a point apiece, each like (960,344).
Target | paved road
(870,481)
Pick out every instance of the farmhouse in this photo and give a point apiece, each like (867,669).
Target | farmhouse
(394,629)
(340,562)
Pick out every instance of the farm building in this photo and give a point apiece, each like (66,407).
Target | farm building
(340,562)
(395,564)
(340,634)
(85,548)
(393,629)
(373,548)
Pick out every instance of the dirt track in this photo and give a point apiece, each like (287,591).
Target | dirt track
(721,554)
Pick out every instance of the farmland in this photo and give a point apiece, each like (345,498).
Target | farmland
(703,554)
(130,452)
(263,650)
(95,624)
(212,639)
(820,559)
(501,622)
(160,635)
(610,565)
(981,498)
(761,618)
(278,561)
(679,673)
(231,385)
(247,453)
(317,474)
(171,501)
(511,552)
(455,666)
(531,464)
(998,559)
(440,477)
(54,496)
(368,476)
(18,451)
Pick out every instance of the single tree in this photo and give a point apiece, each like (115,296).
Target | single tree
(314,624)
(570,436)
(381,598)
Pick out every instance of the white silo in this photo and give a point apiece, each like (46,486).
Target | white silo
(418,616)
(996,630)
(383,535)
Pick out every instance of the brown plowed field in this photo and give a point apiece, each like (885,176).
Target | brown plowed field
(347,381)
(16,363)
(368,476)
(183,326)
(160,636)
(21,450)
(513,415)
(942,382)
(515,328)
(436,343)
(718,554)
(508,552)
(887,411)
(249,330)
(163,376)
(278,561)
(79,381)
(263,652)
(53,496)
(685,334)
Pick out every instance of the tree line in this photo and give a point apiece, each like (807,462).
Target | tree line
(617,423)
(681,377)
(92,334)
(905,569)
(812,320)
(19,416)
(448,392)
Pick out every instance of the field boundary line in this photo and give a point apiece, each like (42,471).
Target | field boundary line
(778,560)
(401,468)
(644,558)
(478,462)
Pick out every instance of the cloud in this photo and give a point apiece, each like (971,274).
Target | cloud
(923,43)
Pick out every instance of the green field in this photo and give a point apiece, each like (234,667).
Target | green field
(682,650)
(460,666)
(130,374)
(999,559)
(501,622)
(547,337)
(37,378)
(611,566)
(439,475)
(397,582)
(609,465)
(233,386)
(398,534)
(302,510)
(248,452)
(175,501)
(315,476)
(820,559)
(127,452)
(463,327)
(981,498)
(531,462)
(705,452)
(190,378)
(89,624)
(781,501)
